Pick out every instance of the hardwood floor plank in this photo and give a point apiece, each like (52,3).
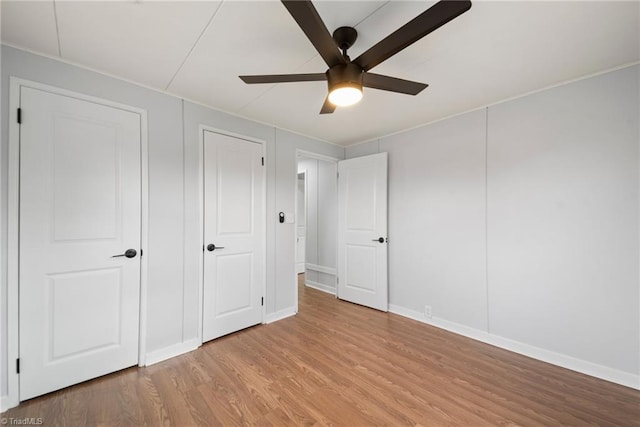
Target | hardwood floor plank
(337,363)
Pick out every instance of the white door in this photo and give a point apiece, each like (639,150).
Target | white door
(234,257)
(79,206)
(362,235)
(301,224)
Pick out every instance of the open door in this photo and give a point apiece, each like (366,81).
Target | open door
(362,232)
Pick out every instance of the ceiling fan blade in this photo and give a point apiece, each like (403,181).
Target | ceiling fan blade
(284,78)
(307,17)
(327,107)
(428,21)
(392,84)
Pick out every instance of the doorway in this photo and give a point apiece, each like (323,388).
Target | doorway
(345,227)
(316,222)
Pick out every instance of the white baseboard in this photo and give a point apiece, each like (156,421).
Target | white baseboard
(568,362)
(172,351)
(279,315)
(6,403)
(321,287)
(321,269)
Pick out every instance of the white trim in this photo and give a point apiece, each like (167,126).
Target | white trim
(13,341)
(322,269)
(264,230)
(562,360)
(144,237)
(301,264)
(320,287)
(279,315)
(200,192)
(5,403)
(172,351)
(312,155)
(13,204)
(200,189)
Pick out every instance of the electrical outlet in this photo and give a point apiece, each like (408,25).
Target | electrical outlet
(427,311)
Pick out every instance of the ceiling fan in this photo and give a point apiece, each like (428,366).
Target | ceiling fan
(346,77)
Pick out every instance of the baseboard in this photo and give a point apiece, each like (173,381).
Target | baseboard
(321,287)
(7,403)
(172,351)
(564,361)
(322,269)
(279,315)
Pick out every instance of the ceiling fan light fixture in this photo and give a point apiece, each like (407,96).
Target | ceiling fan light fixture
(345,94)
(345,84)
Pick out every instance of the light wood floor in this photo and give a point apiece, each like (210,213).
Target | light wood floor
(339,363)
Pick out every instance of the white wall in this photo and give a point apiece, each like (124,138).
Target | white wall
(437,219)
(172,322)
(322,221)
(563,220)
(518,224)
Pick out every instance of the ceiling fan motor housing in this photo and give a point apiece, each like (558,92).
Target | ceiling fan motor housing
(344,75)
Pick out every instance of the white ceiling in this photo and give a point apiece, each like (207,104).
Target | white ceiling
(196,50)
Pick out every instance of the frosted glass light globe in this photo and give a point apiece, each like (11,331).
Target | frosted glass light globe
(345,96)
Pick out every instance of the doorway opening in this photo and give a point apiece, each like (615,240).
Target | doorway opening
(316,192)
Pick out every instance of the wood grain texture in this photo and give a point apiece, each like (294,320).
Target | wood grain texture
(337,363)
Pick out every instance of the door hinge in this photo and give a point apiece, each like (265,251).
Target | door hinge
(338,175)
(17,366)
(263,161)
(337,280)
(262,301)
(19,115)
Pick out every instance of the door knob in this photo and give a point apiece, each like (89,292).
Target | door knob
(129,253)
(211,247)
(379,239)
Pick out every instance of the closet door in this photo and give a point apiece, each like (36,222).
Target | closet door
(80,202)
(234,269)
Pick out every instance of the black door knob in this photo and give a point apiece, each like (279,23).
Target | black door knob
(380,239)
(211,247)
(129,253)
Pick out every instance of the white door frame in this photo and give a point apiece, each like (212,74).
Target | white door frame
(201,130)
(297,219)
(13,223)
(316,156)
